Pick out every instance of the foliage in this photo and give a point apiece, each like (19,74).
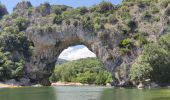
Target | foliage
(22,23)
(167,12)
(82,10)
(87,71)
(57,10)
(112,19)
(126,43)
(131,24)
(164,3)
(69,14)
(103,7)
(57,20)
(154,62)
(10,68)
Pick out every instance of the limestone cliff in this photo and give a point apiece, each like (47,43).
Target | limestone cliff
(116,34)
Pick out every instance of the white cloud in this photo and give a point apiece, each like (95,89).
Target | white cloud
(74,53)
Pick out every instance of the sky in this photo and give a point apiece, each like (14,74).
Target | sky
(74,52)
(10,4)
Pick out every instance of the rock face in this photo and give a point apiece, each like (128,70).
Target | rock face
(50,39)
(50,43)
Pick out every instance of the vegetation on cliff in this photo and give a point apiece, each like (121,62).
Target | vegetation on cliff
(153,63)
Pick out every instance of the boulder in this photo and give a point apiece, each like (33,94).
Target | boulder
(141,86)
(11,82)
(24,82)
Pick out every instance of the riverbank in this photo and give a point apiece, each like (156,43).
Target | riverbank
(2,85)
(73,84)
(70,84)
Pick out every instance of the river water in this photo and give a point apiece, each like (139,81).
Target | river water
(82,93)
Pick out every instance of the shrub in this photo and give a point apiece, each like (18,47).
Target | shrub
(97,20)
(87,71)
(72,13)
(75,23)
(82,10)
(103,7)
(45,8)
(126,16)
(98,27)
(125,50)
(57,10)
(140,72)
(112,19)
(164,3)
(10,68)
(131,24)
(57,20)
(153,63)
(126,42)
(30,10)
(147,16)
(22,23)
(167,12)
(154,9)
(67,21)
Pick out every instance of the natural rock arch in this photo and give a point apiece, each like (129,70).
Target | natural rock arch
(49,43)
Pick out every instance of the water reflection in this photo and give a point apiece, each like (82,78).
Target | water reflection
(82,93)
(123,94)
(29,93)
(135,94)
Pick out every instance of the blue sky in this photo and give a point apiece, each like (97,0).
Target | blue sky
(10,4)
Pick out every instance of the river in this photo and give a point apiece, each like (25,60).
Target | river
(82,93)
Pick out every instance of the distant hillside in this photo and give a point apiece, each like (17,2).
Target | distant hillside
(61,61)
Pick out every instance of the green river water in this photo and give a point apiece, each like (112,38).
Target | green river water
(82,93)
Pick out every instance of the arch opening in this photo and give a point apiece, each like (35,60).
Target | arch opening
(78,65)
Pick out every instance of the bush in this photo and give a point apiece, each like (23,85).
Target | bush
(86,71)
(72,13)
(57,10)
(10,68)
(167,12)
(22,23)
(103,7)
(98,27)
(140,72)
(57,20)
(125,16)
(82,10)
(147,16)
(126,43)
(131,24)
(164,3)
(153,63)
(154,9)
(67,21)
(112,19)
(75,23)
